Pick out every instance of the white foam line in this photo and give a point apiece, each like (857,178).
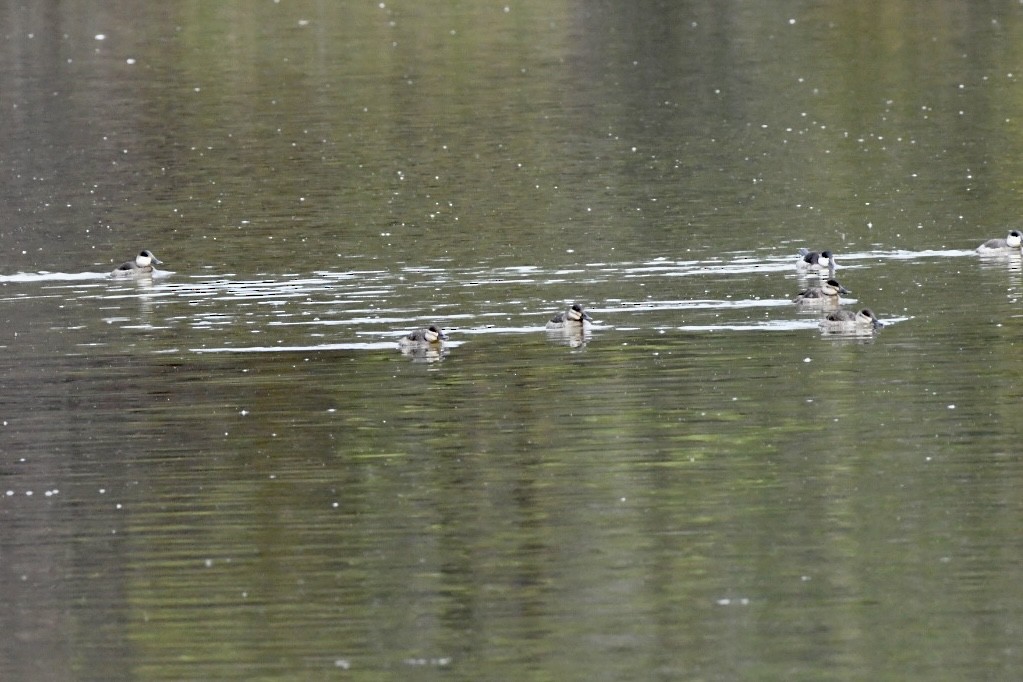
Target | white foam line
(379,345)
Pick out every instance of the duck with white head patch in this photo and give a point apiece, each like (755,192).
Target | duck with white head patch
(848,321)
(573,318)
(816,260)
(1013,243)
(823,296)
(140,267)
(430,337)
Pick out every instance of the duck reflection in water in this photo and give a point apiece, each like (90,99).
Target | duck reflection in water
(573,337)
(425,345)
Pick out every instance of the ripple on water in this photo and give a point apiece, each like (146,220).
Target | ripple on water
(473,301)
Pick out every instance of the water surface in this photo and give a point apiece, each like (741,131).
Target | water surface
(229,471)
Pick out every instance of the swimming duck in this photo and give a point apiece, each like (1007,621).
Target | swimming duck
(431,337)
(849,321)
(574,317)
(816,260)
(142,265)
(1012,242)
(824,295)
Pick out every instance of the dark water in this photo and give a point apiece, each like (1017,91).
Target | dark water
(229,471)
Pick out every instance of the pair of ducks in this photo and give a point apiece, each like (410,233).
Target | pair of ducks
(572,319)
(827,296)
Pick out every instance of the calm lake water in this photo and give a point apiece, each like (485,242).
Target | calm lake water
(229,471)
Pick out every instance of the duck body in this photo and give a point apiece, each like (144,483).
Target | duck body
(141,266)
(1013,242)
(430,337)
(816,260)
(825,295)
(573,318)
(849,321)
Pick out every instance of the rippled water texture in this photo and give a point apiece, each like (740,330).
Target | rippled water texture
(229,471)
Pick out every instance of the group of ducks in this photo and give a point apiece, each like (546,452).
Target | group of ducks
(572,319)
(826,296)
